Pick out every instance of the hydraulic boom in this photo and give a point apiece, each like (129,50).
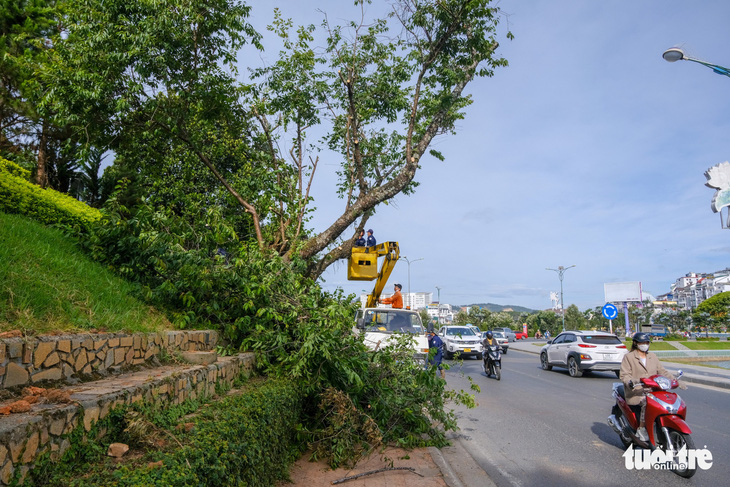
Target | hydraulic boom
(363,266)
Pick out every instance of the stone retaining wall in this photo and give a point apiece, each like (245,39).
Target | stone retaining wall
(32,361)
(25,437)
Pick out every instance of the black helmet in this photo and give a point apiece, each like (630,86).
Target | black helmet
(641,337)
(489,334)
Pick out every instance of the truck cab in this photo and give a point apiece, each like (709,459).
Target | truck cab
(378,325)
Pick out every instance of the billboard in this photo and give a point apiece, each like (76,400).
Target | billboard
(622,292)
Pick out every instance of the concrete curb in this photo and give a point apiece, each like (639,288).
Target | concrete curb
(450,477)
(458,466)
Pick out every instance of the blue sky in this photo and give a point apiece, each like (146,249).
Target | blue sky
(588,150)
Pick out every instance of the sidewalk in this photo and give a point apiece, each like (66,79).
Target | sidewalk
(697,374)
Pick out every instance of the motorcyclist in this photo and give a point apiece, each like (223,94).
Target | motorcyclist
(488,342)
(636,365)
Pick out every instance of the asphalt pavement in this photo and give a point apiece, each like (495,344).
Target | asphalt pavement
(458,467)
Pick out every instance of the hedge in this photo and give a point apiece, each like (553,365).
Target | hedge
(245,439)
(18,195)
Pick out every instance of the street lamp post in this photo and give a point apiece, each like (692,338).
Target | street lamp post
(410,297)
(676,54)
(561,270)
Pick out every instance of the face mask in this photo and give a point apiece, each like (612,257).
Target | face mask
(644,347)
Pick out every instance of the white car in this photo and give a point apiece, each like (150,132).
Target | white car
(462,340)
(380,324)
(501,339)
(581,351)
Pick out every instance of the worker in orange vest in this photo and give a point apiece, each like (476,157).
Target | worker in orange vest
(396,300)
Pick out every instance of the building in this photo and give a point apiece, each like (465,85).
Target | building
(693,288)
(417,300)
(443,313)
(413,301)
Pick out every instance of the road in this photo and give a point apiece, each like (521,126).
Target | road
(540,428)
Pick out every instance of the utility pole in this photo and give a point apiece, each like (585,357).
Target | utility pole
(561,270)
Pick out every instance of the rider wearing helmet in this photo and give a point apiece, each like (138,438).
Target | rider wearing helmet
(489,341)
(636,365)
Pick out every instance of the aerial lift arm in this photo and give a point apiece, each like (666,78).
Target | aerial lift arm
(363,266)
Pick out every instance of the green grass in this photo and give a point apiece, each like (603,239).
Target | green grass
(707,345)
(655,345)
(48,285)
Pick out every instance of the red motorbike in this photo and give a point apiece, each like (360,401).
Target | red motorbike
(664,419)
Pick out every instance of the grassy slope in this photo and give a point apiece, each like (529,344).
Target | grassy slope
(48,285)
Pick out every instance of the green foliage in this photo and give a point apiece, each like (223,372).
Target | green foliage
(244,439)
(713,312)
(17,195)
(365,398)
(198,271)
(48,284)
(574,319)
(197,138)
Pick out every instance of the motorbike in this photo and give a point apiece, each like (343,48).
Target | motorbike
(664,420)
(492,361)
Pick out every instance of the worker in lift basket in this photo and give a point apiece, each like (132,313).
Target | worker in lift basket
(396,300)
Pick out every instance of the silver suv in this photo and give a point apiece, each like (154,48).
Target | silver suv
(581,351)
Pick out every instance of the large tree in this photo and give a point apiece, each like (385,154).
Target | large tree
(156,82)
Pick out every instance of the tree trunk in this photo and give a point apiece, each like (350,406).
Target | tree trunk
(41,175)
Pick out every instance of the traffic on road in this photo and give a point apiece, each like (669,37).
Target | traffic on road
(536,427)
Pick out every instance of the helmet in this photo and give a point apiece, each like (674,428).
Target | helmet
(489,334)
(641,337)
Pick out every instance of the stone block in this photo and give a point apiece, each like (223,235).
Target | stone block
(91,416)
(15,375)
(88,344)
(57,427)
(44,435)
(31,448)
(52,360)
(81,361)
(28,352)
(113,342)
(99,344)
(68,371)
(130,355)
(6,472)
(109,359)
(2,356)
(64,346)
(14,348)
(126,341)
(48,374)
(101,356)
(42,351)
(3,454)
(137,341)
(16,448)
(117,450)
(87,369)
(200,358)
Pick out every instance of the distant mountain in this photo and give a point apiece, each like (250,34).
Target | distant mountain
(498,307)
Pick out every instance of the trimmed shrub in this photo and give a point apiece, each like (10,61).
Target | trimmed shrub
(246,439)
(18,195)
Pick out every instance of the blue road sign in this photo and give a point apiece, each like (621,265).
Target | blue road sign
(609,311)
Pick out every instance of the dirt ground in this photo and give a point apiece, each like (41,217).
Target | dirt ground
(427,474)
